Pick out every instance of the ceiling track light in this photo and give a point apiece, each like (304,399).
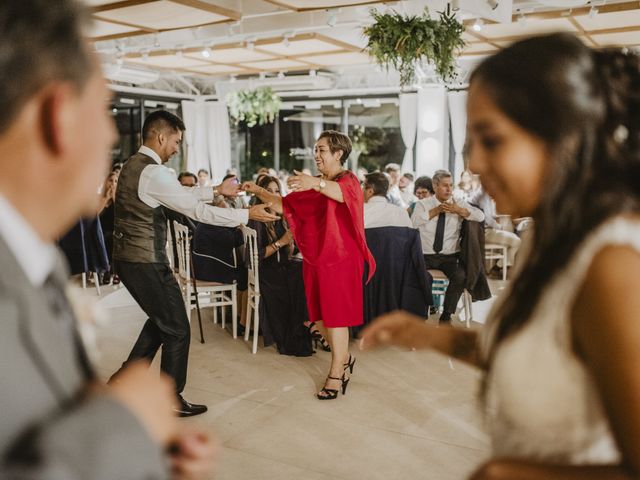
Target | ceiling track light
(280,74)
(232,78)
(145,56)
(206,52)
(312,73)
(251,44)
(332,18)
(522,20)
(477,25)
(262,75)
(593,11)
(493,4)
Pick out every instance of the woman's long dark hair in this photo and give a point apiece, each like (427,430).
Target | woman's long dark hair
(585,106)
(270,227)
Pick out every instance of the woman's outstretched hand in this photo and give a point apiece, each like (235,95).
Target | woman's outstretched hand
(396,328)
(301,182)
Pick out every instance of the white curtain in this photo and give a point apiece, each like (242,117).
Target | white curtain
(408,125)
(207,137)
(219,139)
(458,115)
(195,135)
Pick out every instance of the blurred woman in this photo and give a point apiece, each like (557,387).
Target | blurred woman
(554,132)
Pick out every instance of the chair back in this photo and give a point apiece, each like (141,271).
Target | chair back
(184,250)
(251,243)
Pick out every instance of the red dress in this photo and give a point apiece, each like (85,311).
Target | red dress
(330,236)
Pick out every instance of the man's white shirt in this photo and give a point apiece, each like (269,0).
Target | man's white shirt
(378,212)
(36,257)
(158,186)
(453,222)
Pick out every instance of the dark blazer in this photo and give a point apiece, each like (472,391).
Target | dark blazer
(215,258)
(46,431)
(401,280)
(472,258)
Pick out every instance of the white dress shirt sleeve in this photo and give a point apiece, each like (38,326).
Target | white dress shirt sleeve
(420,216)
(475,214)
(158,186)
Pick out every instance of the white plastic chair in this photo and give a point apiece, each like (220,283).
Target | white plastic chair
(439,288)
(253,285)
(494,251)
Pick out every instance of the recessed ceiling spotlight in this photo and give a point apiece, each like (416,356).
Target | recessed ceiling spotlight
(477,25)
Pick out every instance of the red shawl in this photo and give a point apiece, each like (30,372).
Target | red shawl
(327,231)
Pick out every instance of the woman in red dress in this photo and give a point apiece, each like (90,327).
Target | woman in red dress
(326,217)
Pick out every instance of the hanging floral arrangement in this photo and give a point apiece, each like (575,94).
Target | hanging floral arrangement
(258,106)
(402,42)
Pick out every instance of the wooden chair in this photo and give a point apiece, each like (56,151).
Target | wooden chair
(494,251)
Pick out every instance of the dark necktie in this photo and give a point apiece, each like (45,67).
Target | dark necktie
(439,240)
(65,317)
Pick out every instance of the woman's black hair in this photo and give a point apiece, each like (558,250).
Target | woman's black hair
(584,105)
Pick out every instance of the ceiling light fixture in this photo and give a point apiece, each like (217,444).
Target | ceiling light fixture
(332,18)
(145,56)
(280,74)
(593,11)
(522,20)
(179,53)
(262,75)
(312,73)
(232,78)
(493,4)
(477,25)
(251,44)
(206,52)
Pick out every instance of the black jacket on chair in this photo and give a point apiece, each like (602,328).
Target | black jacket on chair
(472,257)
(401,280)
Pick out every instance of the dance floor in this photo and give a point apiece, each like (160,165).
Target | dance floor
(405,415)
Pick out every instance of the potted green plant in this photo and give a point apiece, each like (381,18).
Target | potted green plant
(258,106)
(402,41)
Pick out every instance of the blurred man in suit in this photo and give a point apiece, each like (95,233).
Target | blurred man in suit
(57,420)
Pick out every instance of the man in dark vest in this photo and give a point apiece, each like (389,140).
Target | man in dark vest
(146,186)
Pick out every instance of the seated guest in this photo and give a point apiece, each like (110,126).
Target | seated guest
(216,259)
(493,232)
(405,184)
(188,179)
(439,220)
(203,178)
(106,213)
(378,212)
(283,310)
(393,170)
(422,188)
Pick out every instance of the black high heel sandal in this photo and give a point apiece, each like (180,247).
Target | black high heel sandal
(332,393)
(350,363)
(317,338)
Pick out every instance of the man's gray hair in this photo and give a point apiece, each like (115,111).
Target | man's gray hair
(41,41)
(439,175)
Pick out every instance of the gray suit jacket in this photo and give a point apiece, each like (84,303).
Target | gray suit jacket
(46,430)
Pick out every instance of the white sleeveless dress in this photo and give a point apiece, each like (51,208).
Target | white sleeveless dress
(542,403)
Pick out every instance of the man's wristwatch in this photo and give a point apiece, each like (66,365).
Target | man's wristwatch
(277,245)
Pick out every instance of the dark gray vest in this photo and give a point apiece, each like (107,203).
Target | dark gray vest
(140,232)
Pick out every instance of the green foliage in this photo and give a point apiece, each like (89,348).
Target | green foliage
(400,41)
(257,106)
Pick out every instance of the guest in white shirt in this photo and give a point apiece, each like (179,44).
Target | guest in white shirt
(439,220)
(378,212)
(203,178)
(405,184)
(393,170)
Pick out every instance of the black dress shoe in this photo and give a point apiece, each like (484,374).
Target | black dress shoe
(445,319)
(186,409)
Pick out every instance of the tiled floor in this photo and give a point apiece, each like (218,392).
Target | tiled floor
(405,415)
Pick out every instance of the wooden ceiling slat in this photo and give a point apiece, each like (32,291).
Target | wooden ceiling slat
(208,7)
(123,4)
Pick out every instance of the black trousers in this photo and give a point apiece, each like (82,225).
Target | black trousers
(452,268)
(156,290)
